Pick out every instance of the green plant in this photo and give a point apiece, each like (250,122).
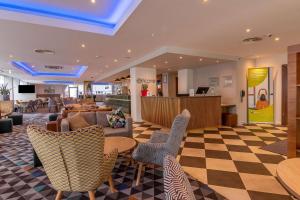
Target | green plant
(144,87)
(4,90)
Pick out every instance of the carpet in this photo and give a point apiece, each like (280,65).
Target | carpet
(279,147)
(20,181)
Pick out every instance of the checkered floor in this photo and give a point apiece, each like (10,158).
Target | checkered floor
(230,160)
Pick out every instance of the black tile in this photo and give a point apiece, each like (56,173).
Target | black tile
(190,161)
(239,148)
(217,154)
(232,137)
(252,168)
(213,140)
(194,145)
(224,179)
(267,196)
(274,159)
(254,143)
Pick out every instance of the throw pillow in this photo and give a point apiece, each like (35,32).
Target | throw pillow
(77,121)
(116,119)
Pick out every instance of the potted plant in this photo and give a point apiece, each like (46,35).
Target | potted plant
(4,92)
(144,90)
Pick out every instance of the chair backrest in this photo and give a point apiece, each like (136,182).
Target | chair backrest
(73,160)
(177,132)
(176,184)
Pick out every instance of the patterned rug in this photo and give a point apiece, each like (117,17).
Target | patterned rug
(20,181)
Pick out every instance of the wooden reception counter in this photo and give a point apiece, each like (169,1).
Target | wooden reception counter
(205,110)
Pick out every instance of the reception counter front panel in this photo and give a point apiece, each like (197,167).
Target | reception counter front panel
(205,110)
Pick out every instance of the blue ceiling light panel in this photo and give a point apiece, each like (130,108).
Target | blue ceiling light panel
(103,16)
(29,69)
(56,82)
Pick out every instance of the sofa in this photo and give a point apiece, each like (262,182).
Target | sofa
(99,118)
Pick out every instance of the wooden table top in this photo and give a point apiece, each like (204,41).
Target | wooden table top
(123,144)
(288,172)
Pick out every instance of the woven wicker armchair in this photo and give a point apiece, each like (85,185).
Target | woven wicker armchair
(73,161)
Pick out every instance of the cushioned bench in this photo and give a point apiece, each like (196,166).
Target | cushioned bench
(17,118)
(6,125)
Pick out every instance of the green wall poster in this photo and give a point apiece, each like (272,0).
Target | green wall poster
(260,95)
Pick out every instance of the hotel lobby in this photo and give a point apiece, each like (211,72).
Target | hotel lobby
(149,99)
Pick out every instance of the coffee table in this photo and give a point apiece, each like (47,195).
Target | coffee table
(123,144)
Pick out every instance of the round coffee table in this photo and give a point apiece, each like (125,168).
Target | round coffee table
(123,144)
(288,173)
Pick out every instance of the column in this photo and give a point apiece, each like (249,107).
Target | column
(185,81)
(139,76)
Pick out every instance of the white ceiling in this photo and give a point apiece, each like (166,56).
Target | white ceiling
(217,27)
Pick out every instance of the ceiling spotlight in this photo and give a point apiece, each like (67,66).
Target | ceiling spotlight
(180,57)
(200,59)
(204,1)
(11,56)
(93,1)
(115,60)
(77,60)
(83,45)
(166,62)
(154,66)
(277,39)
(106,66)
(217,61)
(248,30)
(129,51)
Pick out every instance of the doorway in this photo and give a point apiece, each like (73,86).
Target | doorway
(284,95)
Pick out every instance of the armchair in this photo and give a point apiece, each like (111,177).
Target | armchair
(162,144)
(73,161)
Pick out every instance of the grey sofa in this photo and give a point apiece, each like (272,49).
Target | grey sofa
(99,118)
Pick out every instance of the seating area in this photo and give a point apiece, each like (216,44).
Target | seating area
(147,99)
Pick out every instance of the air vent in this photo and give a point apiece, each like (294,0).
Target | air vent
(55,67)
(253,39)
(44,51)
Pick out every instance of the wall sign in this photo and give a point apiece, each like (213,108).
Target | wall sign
(260,95)
(213,81)
(141,81)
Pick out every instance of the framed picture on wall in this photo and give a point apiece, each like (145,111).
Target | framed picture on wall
(213,81)
(227,81)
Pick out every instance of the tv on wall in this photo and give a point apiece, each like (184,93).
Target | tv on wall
(26,88)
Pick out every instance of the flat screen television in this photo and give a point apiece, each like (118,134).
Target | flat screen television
(202,90)
(26,88)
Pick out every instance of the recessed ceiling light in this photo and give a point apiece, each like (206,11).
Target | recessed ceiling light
(166,62)
(217,61)
(106,66)
(77,60)
(248,30)
(11,56)
(204,1)
(98,56)
(169,69)
(83,45)
(200,59)
(115,60)
(93,1)
(129,51)
(180,57)
(277,39)
(154,66)
(152,34)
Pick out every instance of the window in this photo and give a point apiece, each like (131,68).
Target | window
(1,80)
(102,89)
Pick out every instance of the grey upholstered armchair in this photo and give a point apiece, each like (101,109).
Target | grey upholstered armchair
(162,144)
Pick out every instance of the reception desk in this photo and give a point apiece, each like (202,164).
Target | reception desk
(205,110)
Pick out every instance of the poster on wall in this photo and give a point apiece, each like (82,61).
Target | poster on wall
(260,95)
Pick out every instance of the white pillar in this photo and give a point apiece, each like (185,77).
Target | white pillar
(144,74)
(185,81)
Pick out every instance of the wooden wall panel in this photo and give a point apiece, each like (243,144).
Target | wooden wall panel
(205,111)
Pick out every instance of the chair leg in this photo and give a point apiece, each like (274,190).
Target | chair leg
(138,179)
(58,195)
(111,184)
(92,195)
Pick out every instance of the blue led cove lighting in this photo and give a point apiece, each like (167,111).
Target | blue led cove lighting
(60,82)
(29,70)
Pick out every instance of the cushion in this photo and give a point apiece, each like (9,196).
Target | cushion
(116,119)
(102,119)
(176,184)
(90,117)
(115,131)
(77,121)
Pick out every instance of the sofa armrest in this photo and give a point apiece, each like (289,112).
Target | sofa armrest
(65,126)
(128,125)
(52,126)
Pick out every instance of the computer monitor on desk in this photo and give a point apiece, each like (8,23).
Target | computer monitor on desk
(202,90)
